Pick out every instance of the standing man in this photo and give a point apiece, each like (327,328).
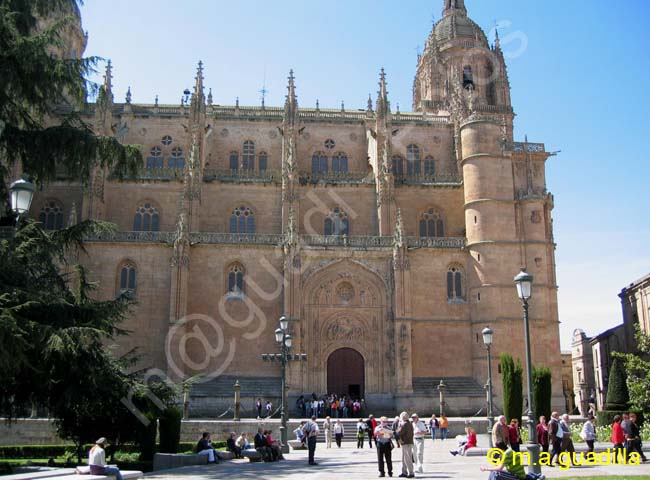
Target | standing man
(500,434)
(405,433)
(634,439)
(258,406)
(567,441)
(372,425)
(327,426)
(310,430)
(419,433)
(555,437)
(444,427)
(269,407)
(383,435)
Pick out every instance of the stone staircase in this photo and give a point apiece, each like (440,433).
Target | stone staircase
(223,386)
(456,386)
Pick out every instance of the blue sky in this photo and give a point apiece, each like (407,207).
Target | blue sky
(578,69)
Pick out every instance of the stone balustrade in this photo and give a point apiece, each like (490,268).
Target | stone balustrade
(345,241)
(242,176)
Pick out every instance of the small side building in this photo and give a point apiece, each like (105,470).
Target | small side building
(582,363)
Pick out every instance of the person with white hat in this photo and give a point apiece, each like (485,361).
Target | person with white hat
(97,460)
(419,432)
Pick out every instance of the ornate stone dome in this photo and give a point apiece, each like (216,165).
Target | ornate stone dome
(456,25)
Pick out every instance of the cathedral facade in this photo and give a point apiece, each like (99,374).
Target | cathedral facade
(388,239)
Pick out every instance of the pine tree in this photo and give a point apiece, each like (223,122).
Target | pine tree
(542,391)
(618,397)
(511,378)
(39,84)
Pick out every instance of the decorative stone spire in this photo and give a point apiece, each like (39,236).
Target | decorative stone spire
(383,105)
(128,95)
(156,101)
(398,238)
(210,97)
(197,105)
(291,102)
(369,108)
(108,83)
(454,7)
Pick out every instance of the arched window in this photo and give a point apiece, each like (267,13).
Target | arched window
(234,161)
(146,219)
(264,161)
(176,159)
(468,77)
(398,165)
(248,157)
(51,215)
(167,140)
(413,160)
(128,278)
(242,220)
(431,224)
(337,223)
(455,281)
(340,163)
(236,278)
(155,159)
(429,166)
(319,163)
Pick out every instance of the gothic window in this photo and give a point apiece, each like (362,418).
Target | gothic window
(167,140)
(146,219)
(248,157)
(234,161)
(263,161)
(455,281)
(51,215)
(330,144)
(429,166)
(236,278)
(340,163)
(413,160)
(242,220)
(431,224)
(155,159)
(127,278)
(337,223)
(319,163)
(176,159)
(468,77)
(398,165)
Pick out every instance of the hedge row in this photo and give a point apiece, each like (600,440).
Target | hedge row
(48,451)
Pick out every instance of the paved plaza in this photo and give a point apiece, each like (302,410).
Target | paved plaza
(349,462)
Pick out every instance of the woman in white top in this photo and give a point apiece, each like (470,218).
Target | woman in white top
(588,433)
(97,461)
(339,431)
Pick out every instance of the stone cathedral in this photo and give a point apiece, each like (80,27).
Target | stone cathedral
(389,239)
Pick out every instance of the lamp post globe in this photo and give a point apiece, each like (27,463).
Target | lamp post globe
(22,193)
(487,336)
(288,341)
(279,334)
(524,283)
(284,323)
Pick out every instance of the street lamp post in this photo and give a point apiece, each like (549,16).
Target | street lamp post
(285,341)
(487,340)
(524,283)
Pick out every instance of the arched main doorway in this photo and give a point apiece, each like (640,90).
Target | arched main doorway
(346,373)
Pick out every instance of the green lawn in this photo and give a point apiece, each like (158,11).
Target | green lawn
(616,477)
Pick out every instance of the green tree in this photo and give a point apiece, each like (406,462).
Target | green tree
(511,379)
(38,83)
(542,391)
(637,368)
(618,397)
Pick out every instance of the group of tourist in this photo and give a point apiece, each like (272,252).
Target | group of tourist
(263,443)
(626,437)
(263,409)
(332,405)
